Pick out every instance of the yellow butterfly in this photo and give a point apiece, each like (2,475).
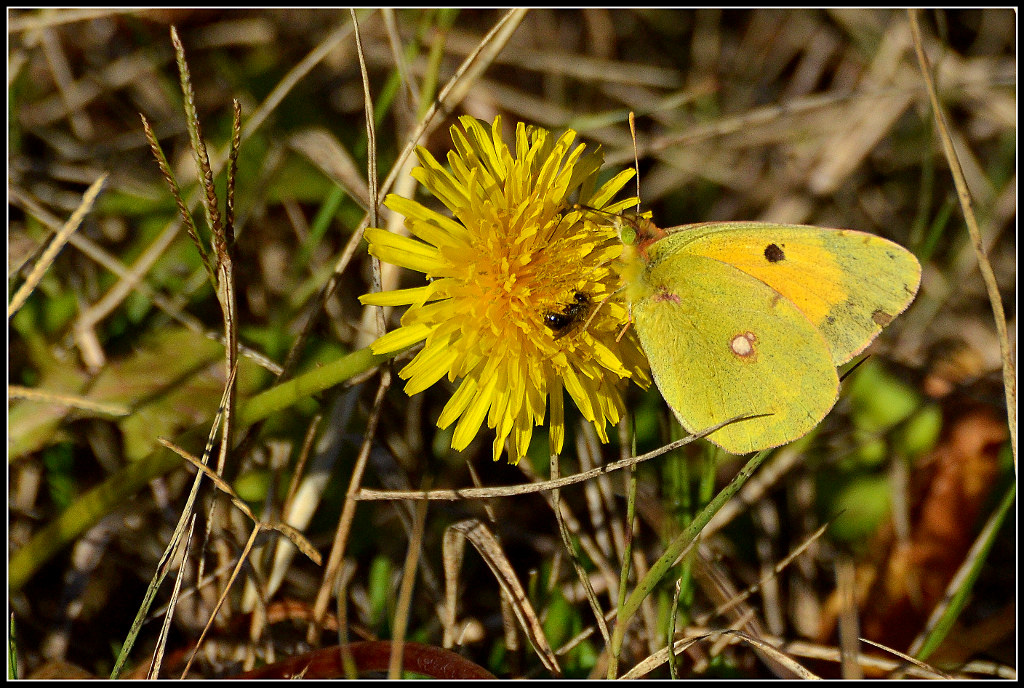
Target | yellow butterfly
(749,318)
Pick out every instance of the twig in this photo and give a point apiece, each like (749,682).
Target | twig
(989,277)
(61,238)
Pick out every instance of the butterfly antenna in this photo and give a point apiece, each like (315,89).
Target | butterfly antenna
(636,158)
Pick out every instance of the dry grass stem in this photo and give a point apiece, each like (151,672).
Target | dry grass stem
(56,244)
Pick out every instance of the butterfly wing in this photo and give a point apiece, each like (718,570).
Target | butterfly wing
(848,284)
(723,344)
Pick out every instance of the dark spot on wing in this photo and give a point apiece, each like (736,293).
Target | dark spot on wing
(774,253)
(881,318)
(663,294)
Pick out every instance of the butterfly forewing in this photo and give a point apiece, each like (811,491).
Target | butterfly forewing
(849,284)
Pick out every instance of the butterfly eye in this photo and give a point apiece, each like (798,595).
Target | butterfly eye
(627,234)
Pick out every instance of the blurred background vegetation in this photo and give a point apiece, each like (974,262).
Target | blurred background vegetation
(800,116)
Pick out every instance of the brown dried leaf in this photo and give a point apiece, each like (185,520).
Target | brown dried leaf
(898,594)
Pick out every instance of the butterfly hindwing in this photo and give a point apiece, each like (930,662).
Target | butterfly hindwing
(723,344)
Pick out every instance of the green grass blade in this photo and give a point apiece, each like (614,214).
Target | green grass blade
(965,579)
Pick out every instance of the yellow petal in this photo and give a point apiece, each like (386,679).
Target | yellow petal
(399,339)
(458,403)
(401,250)
(396,297)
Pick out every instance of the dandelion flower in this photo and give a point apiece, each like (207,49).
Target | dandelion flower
(521,301)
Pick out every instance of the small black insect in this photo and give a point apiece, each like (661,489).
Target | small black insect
(564,321)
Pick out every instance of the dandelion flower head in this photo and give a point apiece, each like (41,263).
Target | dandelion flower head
(522,300)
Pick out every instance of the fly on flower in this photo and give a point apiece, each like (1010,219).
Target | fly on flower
(571,316)
(516,250)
